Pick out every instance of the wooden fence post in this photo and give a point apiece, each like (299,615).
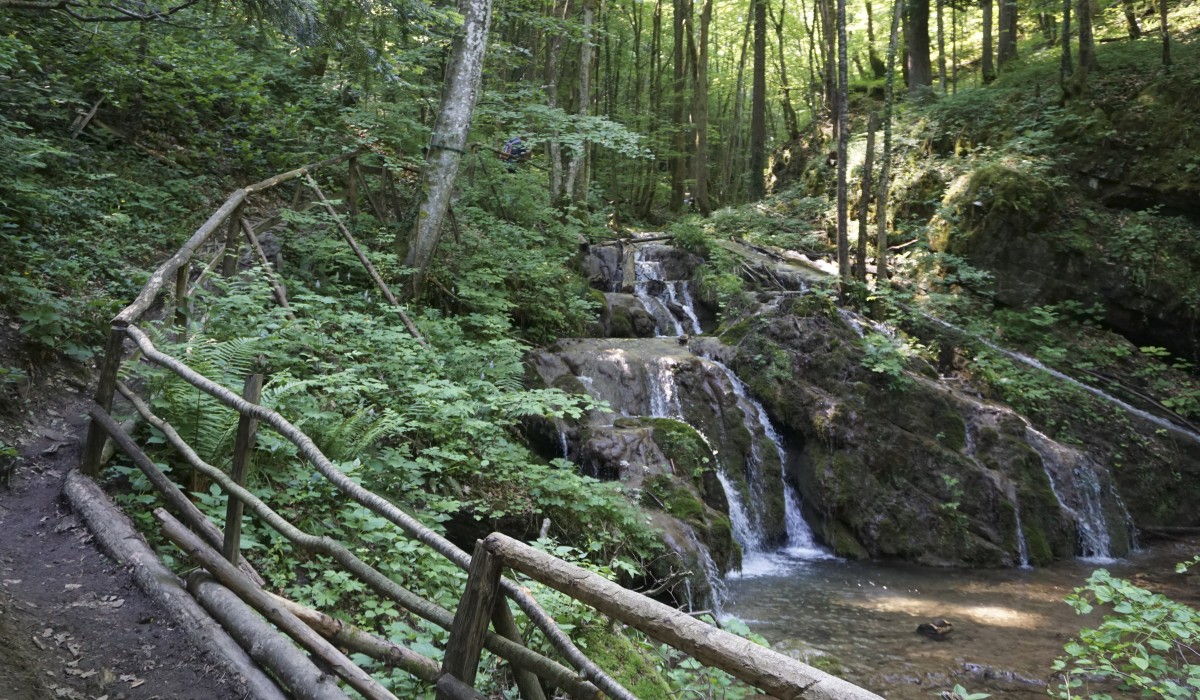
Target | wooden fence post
(233,242)
(113,351)
(472,618)
(247,426)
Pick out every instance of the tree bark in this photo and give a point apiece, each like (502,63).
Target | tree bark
(758,104)
(878,67)
(700,113)
(678,100)
(576,184)
(790,122)
(920,70)
(1087,44)
(881,266)
(459,95)
(941,43)
(843,213)
(1135,29)
(1006,44)
(1166,33)
(988,68)
(864,202)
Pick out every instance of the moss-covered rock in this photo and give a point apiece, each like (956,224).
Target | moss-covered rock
(632,665)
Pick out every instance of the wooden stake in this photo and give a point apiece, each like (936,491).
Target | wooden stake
(232,244)
(472,617)
(181,298)
(251,391)
(380,212)
(276,287)
(352,188)
(94,446)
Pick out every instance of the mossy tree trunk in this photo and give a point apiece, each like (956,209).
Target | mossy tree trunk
(920,69)
(988,68)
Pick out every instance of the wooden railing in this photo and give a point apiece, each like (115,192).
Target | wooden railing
(486,591)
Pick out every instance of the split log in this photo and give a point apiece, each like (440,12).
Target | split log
(264,643)
(472,617)
(110,447)
(387,510)
(121,541)
(513,652)
(774,673)
(227,574)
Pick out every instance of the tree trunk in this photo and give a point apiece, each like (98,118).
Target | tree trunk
(553,146)
(941,42)
(843,214)
(790,122)
(881,267)
(864,202)
(575,188)
(988,69)
(1087,45)
(1135,29)
(678,95)
(920,70)
(1006,44)
(829,61)
(758,104)
(1066,66)
(459,94)
(878,68)
(1166,34)
(700,113)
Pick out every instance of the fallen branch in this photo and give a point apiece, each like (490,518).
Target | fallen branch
(118,538)
(276,287)
(264,643)
(366,262)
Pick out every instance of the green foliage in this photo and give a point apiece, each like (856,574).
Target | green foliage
(1146,645)
(888,357)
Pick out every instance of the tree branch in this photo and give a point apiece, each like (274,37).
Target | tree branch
(76,9)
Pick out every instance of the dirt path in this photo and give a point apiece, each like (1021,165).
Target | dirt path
(72,622)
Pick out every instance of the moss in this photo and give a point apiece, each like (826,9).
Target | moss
(1040,553)
(845,544)
(674,498)
(734,333)
(632,665)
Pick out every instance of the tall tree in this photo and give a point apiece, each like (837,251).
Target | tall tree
(790,122)
(679,98)
(941,42)
(878,69)
(1131,20)
(577,180)
(700,113)
(843,92)
(1166,34)
(864,201)
(1006,43)
(1087,44)
(920,70)
(460,92)
(988,68)
(758,104)
(889,99)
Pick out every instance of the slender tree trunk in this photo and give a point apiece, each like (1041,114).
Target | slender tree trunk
(988,68)
(878,69)
(864,201)
(576,183)
(941,41)
(1006,48)
(1066,65)
(730,188)
(459,95)
(829,61)
(553,146)
(889,98)
(790,122)
(1087,44)
(843,213)
(1135,29)
(679,96)
(920,70)
(758,104)
(1166,33)
(700,113)
(954,49)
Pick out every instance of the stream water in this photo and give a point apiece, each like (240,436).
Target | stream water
(1009,624)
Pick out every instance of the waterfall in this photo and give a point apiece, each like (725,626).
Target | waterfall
(1076,485)
(1022,544)
(664,398)
(747,535)
(651,288)
(800,542)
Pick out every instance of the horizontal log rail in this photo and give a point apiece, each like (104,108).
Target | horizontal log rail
(488,591)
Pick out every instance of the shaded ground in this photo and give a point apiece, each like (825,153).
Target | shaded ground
(72,622)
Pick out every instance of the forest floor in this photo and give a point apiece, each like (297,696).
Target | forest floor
(73,624)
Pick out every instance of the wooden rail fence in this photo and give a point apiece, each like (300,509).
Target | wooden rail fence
(484,602)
